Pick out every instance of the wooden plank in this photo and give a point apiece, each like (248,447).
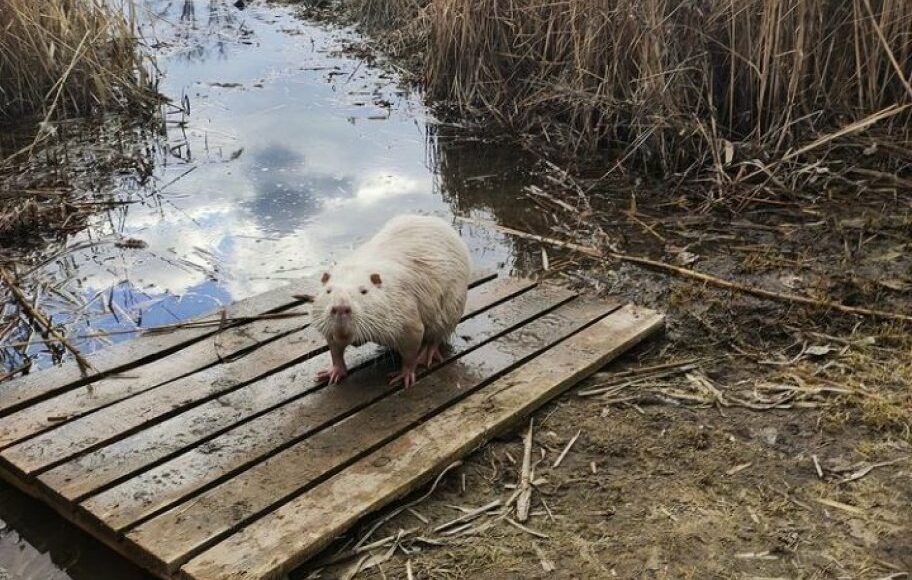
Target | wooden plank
(25,390)
(167,484)
(127,416)
(89,473)
(186,529)
(287,537)
(50,413)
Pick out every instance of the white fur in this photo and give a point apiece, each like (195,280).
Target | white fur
(424,268)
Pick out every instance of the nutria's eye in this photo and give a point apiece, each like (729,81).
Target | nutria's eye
(364,291)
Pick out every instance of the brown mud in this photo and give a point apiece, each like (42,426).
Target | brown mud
(709,468)
(777,445)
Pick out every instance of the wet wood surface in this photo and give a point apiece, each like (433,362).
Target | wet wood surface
(187,528)
(202,465)
(288,536)
(145,348)
(224,457)
(91,472)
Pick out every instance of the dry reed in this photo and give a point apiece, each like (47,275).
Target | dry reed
(678,84)
(69,57)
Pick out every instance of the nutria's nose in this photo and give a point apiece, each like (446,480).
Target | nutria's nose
(341,310)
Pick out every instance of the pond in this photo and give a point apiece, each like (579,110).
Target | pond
(281,153)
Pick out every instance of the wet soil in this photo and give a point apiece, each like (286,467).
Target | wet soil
(780,449)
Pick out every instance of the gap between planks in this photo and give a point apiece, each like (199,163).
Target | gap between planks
(133,414)
(79,401)
(91,525)
(26,390)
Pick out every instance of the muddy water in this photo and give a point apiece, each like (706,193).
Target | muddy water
(281,155)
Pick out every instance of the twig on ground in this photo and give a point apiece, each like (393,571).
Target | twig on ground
(524,499)
(566,450)
(519,526)
(703,277)
(863,471)
(413,503)
(468,516)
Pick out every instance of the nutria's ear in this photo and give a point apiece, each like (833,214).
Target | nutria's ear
(325,278)
(375,279)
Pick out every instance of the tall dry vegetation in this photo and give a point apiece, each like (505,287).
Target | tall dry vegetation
(681,83)
(68,56)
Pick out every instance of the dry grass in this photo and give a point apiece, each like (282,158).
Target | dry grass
(69,57)
(679,85)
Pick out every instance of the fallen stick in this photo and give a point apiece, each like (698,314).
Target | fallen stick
(468,516)
(633,380)
(644,370)
(410,504)
(519,526)
(566,450)
(524,499)
(221,322)
(40,319)
(693,274)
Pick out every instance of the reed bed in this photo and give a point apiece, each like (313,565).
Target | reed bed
(64,57)
(672,83)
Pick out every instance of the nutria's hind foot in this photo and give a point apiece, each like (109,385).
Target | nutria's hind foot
(429,355)
(405,375)
(333,375)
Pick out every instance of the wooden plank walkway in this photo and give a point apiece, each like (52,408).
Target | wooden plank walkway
(212,452)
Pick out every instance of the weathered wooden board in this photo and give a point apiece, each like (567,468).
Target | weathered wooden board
(36,386)
(26,390)
(227,459)
(246,444)
(158,402)
(285,538)
(187,528)
(92,472)
(47,414)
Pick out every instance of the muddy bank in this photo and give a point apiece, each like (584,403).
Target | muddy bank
(777,444)
(781,445)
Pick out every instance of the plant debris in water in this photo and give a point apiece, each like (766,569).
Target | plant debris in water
(78,102)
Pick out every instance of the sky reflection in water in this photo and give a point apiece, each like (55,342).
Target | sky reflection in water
(290,156)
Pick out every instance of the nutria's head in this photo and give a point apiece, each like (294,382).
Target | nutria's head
(341,303)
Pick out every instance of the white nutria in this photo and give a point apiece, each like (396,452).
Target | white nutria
(405,289)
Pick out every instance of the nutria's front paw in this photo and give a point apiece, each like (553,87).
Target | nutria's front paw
(332,374)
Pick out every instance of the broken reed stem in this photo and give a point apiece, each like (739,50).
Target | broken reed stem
(41,320)
(703,277)
(759,292)
(887,49)
(223,322)
(566,450)
(524,499)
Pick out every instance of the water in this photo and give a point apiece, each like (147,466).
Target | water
(290,155)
